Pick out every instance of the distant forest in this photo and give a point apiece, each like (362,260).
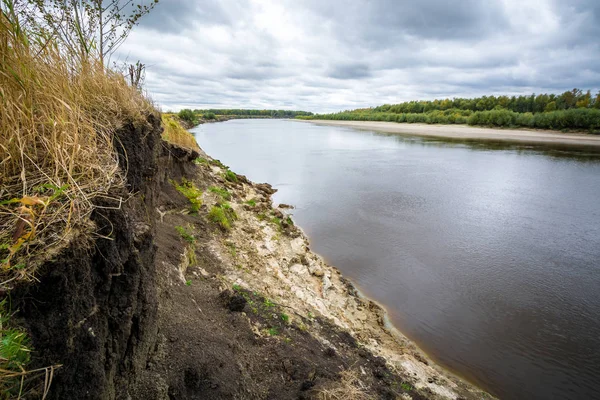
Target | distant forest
(571,110)
(253,113)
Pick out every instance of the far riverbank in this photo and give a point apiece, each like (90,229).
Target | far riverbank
(464,132)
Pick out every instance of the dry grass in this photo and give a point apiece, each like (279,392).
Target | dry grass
(58,119)
(349,387)
(57,125)
(174,133)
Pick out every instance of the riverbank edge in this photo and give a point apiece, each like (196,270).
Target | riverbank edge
(313,285)
(467,133)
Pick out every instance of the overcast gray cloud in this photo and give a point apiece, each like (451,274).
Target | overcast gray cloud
(329,55)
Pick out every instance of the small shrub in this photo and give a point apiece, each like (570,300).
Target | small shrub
(285,318)
(273,331)
(188,115)
(251,203)
(200,160)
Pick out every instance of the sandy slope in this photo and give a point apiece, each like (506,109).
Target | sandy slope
(472,133)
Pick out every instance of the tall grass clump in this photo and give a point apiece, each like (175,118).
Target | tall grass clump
(58,118)
(174,133)
(60,110)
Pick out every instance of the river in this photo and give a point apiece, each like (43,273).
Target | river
(487,258)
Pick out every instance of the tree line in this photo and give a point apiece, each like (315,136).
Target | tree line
(254,113)
(575,98)
(572,110)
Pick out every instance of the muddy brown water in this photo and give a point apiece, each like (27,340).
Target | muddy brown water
(488,257)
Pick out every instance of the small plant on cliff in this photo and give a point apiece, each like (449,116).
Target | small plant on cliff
(224,193)
(185,235)
(230,176)
(193,194)
(251,203)
(219,164)
(175,134)
(14,353)
(277,222)
(200,160)
(223,215)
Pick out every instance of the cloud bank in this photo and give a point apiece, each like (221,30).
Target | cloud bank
(325,56)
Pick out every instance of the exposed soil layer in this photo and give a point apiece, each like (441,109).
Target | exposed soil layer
(169,304)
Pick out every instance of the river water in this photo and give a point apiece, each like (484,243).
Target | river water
(489,259)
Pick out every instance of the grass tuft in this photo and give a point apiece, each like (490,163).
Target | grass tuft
(175,134)
(185,235)
(223,215)
(348,387)
(224,193)
(193,194)
(230,175)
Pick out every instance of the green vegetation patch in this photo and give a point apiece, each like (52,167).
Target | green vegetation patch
(15,353)
(224,193)
(188,237)
(188,116)
(230,175)
(571,110)
(193,194)
(223,215)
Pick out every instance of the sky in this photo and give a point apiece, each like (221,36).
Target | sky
(332,55)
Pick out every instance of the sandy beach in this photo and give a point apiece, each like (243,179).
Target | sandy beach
(474,133)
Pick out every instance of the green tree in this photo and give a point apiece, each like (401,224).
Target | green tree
(550,106)
(89,27)
(187,115)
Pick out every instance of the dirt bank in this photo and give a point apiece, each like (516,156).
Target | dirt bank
(464,132)
(198,288)
(277,320)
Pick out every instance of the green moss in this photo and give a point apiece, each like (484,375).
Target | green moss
(251,203)
(285,318)
(273,331)
(200,160)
